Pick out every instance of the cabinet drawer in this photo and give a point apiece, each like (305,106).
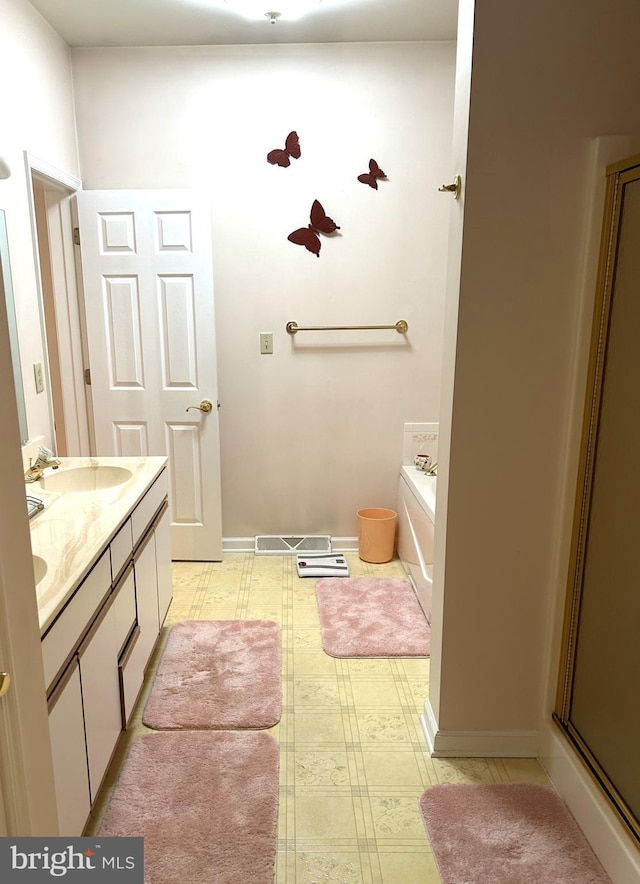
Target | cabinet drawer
(121,547)
(132,666)
(62,639)
(148,506)
(124,607)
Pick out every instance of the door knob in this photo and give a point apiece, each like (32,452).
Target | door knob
(5,683)
(206,405)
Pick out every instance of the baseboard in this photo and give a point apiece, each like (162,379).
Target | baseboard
(344,544)
(476,744)
(429,726)
(238,544)
(247,544)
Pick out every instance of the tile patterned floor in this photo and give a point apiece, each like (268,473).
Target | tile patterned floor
(353,760)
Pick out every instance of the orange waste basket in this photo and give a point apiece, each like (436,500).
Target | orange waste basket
(376,534)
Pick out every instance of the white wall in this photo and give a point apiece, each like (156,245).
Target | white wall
(313,432)
(37,116)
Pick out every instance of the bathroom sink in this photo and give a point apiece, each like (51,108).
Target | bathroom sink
(39,568)
(85,478)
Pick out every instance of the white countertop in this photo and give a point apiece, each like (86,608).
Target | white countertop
(423,486)
(74,528)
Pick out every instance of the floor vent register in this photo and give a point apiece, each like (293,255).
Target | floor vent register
(281,544)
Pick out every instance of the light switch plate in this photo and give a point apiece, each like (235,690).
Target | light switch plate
(266,343)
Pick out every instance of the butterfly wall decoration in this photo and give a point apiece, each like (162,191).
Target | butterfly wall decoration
(373,175)
(282,157)
(308,236)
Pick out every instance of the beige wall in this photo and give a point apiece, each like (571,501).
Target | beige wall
(37,116)
(313,432)
(547,79)
(524,228)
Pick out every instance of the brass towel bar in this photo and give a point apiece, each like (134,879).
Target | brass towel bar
(401,326)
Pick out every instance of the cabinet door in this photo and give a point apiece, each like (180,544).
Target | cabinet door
(147,595)
(163,565)
(66,728)
(132,666)
(101,695)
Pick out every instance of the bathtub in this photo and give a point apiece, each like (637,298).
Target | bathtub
(416,517)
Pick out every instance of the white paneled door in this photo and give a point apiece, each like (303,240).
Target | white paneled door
(148,290)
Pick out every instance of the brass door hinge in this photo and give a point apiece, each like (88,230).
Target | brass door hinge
(76,236)
(87,377)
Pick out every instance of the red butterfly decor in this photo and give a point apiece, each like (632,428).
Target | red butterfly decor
(279,157)
(308,236)
(372,175)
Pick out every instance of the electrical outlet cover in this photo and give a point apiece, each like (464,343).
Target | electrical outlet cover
(38,377)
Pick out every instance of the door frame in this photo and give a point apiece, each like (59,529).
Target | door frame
(51,193)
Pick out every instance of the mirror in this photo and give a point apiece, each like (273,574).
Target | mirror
(6,292)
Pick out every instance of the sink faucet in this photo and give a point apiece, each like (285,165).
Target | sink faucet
(46,458)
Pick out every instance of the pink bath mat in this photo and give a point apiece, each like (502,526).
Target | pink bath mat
(219,674)
(206,804)
(512,833)
(371,617)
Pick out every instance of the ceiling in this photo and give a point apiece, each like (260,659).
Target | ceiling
(211,22)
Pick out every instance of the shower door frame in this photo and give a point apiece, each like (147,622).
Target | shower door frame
(618,174)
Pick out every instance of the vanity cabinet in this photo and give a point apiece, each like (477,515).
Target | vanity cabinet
(96,651)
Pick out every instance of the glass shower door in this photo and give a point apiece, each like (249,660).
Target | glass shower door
(600,703)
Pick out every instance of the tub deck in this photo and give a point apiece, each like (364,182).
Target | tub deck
(423,486)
